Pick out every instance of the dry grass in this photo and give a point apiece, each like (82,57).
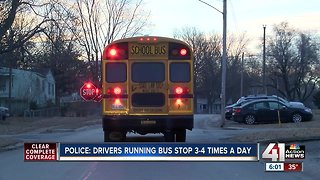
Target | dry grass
(316,113)
(17,125)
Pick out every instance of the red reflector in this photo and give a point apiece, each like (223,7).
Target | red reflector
(179,90)
(113,52)
(117,90)
(183,52)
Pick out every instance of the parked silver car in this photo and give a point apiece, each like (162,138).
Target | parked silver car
(4,112)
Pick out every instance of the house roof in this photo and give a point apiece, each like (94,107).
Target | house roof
(4,71)
(43,71)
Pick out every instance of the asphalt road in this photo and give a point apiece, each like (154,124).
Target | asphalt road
(12,165)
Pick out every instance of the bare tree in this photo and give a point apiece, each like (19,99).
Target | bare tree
(13,35)
(294,58)
(102,21)
(207,55)
(60,51)
(9,12)
(236,46)
(207,63)
(308,61)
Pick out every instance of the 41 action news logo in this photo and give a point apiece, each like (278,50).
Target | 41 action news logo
(281,152)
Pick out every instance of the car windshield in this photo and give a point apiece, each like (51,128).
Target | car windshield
(240,100)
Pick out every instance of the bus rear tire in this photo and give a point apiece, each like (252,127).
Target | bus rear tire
(169,136)
(114,136)
(181,135)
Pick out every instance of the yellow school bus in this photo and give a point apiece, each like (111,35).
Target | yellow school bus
(147,86)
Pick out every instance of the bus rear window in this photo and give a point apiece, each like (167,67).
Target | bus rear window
(180,72)
(148,72)
(116,72)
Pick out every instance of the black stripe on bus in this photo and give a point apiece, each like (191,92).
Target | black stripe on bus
(115,96)
(180,95)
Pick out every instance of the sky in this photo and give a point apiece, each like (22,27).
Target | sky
(243,16)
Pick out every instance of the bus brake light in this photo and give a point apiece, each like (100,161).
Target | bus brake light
(179,90)
(117,90)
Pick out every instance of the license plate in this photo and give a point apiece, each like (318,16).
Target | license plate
(117,107)
(148,122)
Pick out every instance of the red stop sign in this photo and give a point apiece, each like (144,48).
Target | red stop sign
(88,91)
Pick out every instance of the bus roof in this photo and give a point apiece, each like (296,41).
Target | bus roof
(151,38)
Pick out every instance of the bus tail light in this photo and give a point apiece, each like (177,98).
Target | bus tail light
(114,91)
(117,90)
(178,90)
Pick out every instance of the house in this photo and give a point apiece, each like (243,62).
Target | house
(35,87)
(203,107)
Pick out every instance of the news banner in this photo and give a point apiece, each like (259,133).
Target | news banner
(278,156)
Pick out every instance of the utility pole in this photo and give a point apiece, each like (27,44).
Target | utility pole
(223,61)
(224,65)
(264,60)
(242,69)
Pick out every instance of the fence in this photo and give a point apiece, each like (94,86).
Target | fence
(48,112)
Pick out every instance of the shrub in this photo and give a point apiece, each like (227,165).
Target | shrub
(316,99)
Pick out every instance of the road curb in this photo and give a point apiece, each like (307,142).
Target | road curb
(312,138)
(234,128)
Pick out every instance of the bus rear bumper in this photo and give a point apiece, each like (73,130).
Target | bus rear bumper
(147,123)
